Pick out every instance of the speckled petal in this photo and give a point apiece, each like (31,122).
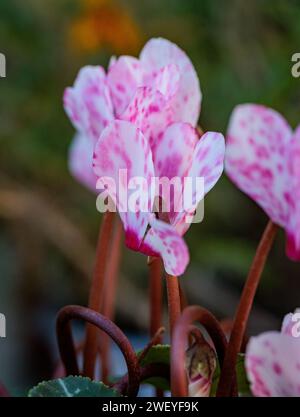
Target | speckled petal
(172,159)
(123,147)
(156,54)
(149,110)
(256,158)
(80,161)
(88,103)
(293,201)
(273,365)
(124,76)
(163,240)
(208,163)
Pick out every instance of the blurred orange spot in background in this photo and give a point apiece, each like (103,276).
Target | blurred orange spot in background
(104,23)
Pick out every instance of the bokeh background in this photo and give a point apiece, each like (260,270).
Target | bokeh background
(48,222)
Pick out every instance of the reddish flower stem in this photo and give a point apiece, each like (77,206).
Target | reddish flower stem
(174,304)
(181,332)
(110,296)
(183,299)
(156,295)
(66,345)
(96,292)
(244,308)
(154,341)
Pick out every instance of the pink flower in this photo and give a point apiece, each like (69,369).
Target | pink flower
(141,117)
(177,152)
(98,98)
(273,361)
(263,160)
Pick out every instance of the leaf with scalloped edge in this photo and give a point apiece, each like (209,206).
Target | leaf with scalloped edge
(72,386)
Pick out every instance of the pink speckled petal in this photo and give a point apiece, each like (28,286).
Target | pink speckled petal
(149,110)
(273,365)
(256,155)
(208,163)
(125,75)
(123,147)
(174,152)
(162,240)
(288,324)
(293,227)
(172,157)
(156,54)
(166,80)
(80,161)
(88,103)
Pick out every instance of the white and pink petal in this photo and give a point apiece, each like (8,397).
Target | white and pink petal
(124,77)
(293,198)
(157,54)
(256,155)
(206,169)
(172,157)
(149,110)
(123,154)
(88,103)
(273,365)
(80,161)
(163,240)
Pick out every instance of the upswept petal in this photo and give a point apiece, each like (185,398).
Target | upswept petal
(287,324)
(88,103)
(123,147)
(172,159)
(149,110)
(156,54)
(80,161)
(293,199)
(273,365)
(124,76)
(166,80)
(163,240)
(256,155)
(208,164)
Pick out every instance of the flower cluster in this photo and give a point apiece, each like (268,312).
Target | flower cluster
(141,116)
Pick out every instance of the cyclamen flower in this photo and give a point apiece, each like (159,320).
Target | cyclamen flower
(273,361)
(98,98)
(123,145)
(152,101)
(263,160)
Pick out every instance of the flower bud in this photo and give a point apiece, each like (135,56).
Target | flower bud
(201,363)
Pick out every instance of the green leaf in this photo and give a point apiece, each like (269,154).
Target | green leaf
(242,380)
(157,354)
(72,386)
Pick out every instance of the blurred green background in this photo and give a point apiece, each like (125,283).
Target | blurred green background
(242,53)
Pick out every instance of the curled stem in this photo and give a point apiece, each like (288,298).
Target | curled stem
(244,308)
(155,269)
(181,332)
(96,292)
(174,303)
(66,345)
